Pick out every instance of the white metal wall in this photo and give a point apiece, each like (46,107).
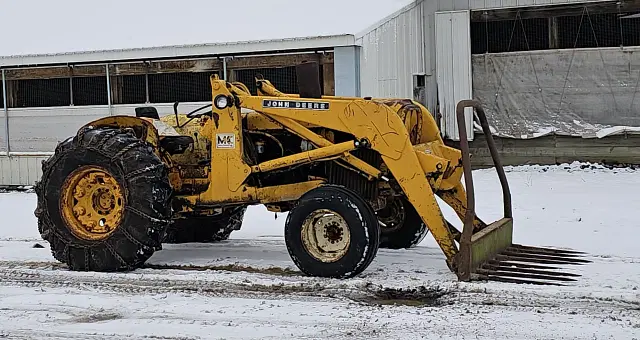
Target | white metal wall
(40,129)
(347,74)
(392,53)
(453,69)
(403,44)
(35,132)
(20,170)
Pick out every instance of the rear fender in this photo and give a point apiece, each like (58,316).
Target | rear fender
(141,127)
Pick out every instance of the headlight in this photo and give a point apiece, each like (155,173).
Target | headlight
(221,102)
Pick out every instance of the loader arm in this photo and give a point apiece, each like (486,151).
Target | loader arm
(419,170)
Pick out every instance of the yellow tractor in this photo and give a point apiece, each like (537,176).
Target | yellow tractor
(354,175)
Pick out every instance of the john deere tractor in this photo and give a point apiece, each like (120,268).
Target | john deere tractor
(353,175)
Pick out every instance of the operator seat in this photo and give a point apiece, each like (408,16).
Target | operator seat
(174,143)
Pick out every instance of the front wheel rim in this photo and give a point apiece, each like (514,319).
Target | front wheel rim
(326,235)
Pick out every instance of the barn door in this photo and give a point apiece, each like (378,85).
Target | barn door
(453,69)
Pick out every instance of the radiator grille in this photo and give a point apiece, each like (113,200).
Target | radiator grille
(339,175)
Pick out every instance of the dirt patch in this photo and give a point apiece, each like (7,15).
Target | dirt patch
(418,297)
(96,317)
(229,267)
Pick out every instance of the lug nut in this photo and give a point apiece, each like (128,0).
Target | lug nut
(80,211)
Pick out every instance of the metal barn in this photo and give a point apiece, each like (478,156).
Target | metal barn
(540,67)
(559,79)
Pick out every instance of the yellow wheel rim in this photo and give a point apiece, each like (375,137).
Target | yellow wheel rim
(326,236)
(92,203)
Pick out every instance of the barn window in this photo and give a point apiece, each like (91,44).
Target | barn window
(43,92)
(181,87)
(554,27)
(132,89)
(283,78)
(90,91)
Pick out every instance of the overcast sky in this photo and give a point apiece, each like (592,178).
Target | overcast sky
(53,26)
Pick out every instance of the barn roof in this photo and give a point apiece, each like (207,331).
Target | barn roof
(71,31)
(179,51)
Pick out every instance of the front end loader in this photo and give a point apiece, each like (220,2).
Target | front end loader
(353,174)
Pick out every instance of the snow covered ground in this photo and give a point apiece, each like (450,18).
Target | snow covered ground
(260,294)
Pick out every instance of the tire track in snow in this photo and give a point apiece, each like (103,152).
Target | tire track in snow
(55,275)
(60,335)
(152,282)
(140,284)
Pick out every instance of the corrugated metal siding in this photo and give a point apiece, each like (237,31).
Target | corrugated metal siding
(39,130)
(391,54)
(20,170)
(453,65)
(3,134)
(491,4)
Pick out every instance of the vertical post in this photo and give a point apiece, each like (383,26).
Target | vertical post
(553,32)
(146,82)
(224,68)
(108,89)
(70,69)
(6,111)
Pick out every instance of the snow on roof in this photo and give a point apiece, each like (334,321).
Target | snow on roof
(66,27)
(219,49)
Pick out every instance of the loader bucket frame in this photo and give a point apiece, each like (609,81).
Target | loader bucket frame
(490,253)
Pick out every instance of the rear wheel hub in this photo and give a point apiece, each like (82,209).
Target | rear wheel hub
(92,203)
(392,216)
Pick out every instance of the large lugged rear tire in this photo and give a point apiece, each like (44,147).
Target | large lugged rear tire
(332,217)
(403,226)
(205,229)
(103,201)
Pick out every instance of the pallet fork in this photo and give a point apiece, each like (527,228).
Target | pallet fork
(488,252)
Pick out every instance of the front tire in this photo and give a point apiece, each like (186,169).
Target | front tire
(332,232)
(103,201)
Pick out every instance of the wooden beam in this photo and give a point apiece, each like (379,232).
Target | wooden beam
(198,65)
(328,77)
(40,73)
(553,11)
(553,32)
(138,68)
(274,61)
(194,65)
